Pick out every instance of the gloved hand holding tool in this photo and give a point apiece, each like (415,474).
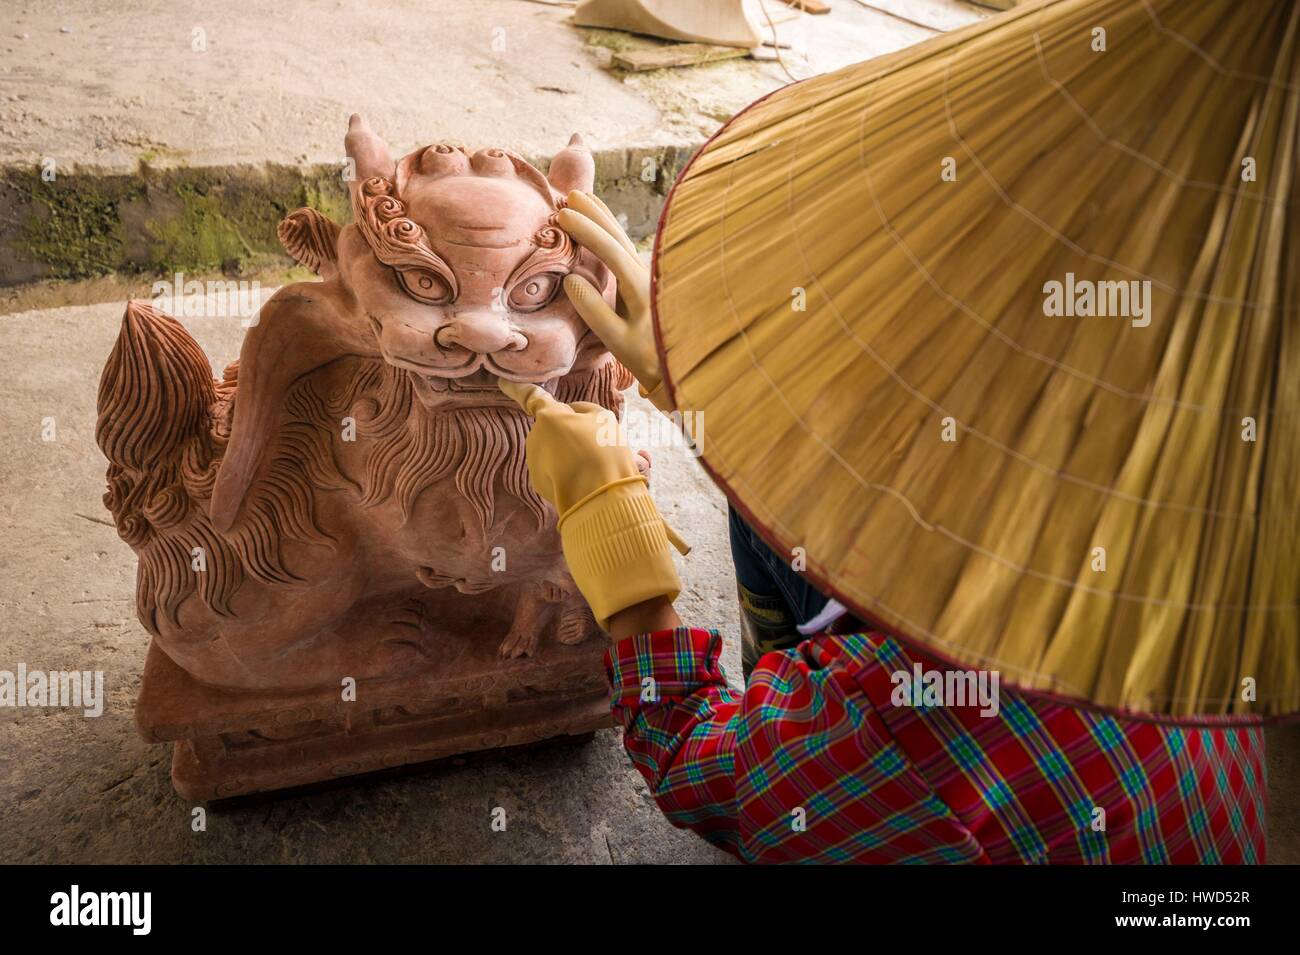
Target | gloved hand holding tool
(615,542)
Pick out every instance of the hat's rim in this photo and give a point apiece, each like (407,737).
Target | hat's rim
(825,585)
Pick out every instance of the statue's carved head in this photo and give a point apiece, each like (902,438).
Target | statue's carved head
(457,263)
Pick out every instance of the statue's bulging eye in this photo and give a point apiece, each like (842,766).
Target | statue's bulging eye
(534,292)
(425,285)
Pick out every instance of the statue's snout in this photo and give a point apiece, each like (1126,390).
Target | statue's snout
(480,330)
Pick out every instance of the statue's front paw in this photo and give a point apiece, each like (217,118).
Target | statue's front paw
(519,642)
(407,640)
(577,623)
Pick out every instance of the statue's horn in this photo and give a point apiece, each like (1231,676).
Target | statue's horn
(369,154)
(573,167)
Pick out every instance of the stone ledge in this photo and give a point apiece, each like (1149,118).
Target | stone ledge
(222,219)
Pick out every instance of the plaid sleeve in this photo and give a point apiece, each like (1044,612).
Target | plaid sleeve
(679,726)
(801,768)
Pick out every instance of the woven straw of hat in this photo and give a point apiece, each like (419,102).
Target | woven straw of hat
(853,286)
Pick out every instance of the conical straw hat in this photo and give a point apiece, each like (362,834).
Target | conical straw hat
(874,287)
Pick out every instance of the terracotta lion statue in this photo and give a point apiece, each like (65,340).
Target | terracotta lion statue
(352,493)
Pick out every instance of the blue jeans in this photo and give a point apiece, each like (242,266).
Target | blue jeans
(774,599)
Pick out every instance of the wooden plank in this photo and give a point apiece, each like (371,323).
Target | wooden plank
(679,54)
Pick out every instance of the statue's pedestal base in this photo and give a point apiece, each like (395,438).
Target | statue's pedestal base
(230,743)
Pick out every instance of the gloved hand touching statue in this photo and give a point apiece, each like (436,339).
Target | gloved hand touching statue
(629,331)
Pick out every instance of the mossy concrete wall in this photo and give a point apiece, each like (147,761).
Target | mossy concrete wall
(159,221)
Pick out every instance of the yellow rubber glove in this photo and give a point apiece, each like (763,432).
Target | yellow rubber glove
(615,542)
(628,332)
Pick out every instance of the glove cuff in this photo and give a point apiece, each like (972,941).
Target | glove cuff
(657,396)
(617,549)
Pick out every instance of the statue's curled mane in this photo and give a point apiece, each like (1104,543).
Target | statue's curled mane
(408,449)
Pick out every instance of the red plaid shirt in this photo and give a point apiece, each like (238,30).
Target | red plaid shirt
(814,762)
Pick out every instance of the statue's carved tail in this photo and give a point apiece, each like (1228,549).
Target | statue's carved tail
(156,392)
(163,427)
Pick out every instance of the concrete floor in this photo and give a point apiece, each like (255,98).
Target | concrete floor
(76,789)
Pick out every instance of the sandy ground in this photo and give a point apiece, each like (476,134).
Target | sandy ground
(187,81)
(170,126)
